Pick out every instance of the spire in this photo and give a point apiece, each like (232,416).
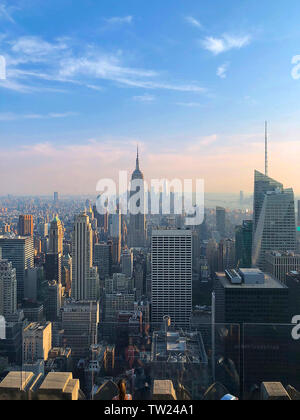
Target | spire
(266,149)
(137,159)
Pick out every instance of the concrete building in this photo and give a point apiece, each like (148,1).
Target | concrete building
(37,342)
(26,386)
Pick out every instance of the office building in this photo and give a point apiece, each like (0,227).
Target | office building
(8,288)
(20,252)
(249,296)
(80,324)
(274,219)
(226,254)
(52,267)
(54,301)
(56,237)
(37,342)
(103,259)
(127,262)
(25,227)
(171,275)
(243,244)
(221,221)
(137,227)
(84,281)
(279,264)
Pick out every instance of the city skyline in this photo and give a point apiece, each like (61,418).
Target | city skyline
(193,94)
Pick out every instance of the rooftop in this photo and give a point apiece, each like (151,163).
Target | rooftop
(269,283)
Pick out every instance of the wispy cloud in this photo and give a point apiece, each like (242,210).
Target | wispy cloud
(189,104)
(225,43)
(222,71)
(194,22)
(119,20)
(9,116)
(63,61)
(6,12)
(144,98)
(35,47)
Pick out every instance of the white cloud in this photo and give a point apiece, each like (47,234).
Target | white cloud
(144,98)
(65,61)
(119,20)
(222,71)
(189,104)
(226,43)
(10,116)
(35,46)
(194,22)
(6,13)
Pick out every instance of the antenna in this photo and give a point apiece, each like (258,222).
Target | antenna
(266,149)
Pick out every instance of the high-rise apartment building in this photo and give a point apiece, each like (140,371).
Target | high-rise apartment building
(25,227)
(171,275)
(274,219)
(20,252)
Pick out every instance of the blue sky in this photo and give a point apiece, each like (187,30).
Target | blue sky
(190,81)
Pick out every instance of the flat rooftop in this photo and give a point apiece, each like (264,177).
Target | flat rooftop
(270,283)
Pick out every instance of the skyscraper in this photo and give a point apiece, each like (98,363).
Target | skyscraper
(274,219)
(103,259)
(8,288)
(137,227)
(172,276)
(243,244)
(56,236)
(83,286)
(20,252)
(25,226)
(115,235)
(221,221)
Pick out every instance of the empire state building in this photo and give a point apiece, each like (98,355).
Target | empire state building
(137,225)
